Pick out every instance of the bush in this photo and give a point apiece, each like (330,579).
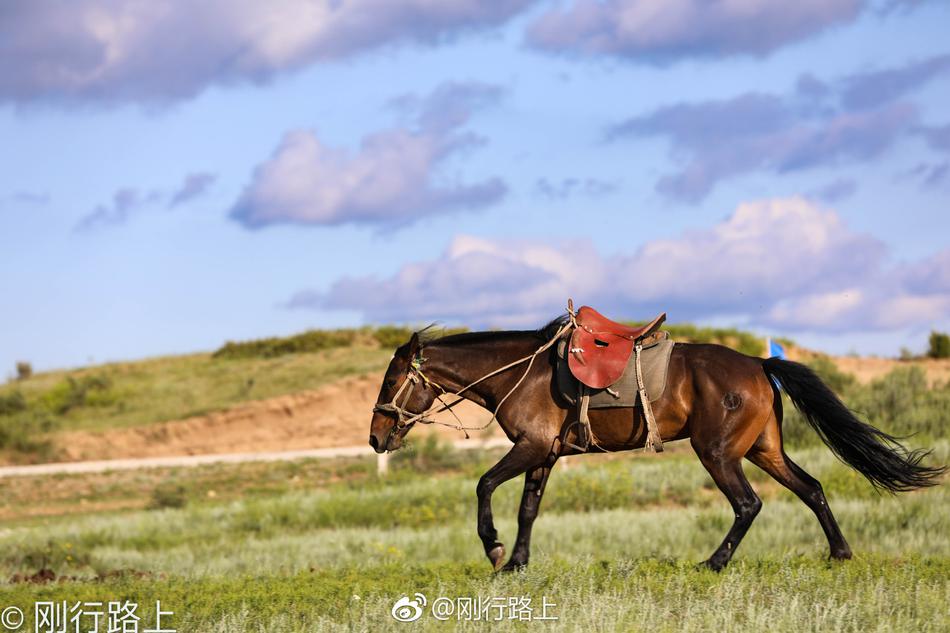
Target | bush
(24,370)
(939,345)
(11,403)
(20,425)
(20,433)
(309,341)
(744,342)
(826,369)
(899,403)
(168,495)
(392,336)
(72,393)
(429,455)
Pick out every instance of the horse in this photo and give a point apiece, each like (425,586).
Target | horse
(726,403)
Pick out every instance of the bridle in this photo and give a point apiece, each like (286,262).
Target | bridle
(414,375)
(396,409)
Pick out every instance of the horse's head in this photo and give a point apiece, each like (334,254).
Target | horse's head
(405,393)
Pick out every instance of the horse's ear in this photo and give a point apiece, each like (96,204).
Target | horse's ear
(413,344)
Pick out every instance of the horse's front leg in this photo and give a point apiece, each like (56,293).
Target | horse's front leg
(522,456)
(534,482)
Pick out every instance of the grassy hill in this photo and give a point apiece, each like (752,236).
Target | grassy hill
(150,391)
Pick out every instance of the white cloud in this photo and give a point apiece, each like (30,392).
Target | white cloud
(783,263)
(390,180)
(657,32)
(503,283)
(162,50)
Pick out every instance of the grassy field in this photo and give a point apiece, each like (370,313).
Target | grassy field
(311,546)
(329,545)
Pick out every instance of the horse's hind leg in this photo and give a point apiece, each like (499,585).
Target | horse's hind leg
(534,483)
(767,454)
(728,475)
(721,436)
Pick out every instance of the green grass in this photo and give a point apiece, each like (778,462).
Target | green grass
(174,387)
(614,549)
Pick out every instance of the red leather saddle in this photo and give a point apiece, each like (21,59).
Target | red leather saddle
(600,348)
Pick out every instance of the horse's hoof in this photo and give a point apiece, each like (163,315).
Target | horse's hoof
(511,566)
(711,565)
(842,555)
(497,556)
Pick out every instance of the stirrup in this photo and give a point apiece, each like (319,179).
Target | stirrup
(583,436)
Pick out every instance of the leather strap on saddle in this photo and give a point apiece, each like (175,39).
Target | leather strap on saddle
(654,441)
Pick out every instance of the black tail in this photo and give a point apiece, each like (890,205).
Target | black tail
(873,453)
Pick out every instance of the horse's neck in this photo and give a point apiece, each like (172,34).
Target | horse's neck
(455,366)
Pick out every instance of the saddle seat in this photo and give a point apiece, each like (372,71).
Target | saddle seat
(600,348)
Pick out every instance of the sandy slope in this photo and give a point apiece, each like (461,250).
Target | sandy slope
(335,415)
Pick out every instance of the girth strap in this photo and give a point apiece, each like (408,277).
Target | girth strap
(654,442)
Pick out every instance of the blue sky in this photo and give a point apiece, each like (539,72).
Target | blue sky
(177,176)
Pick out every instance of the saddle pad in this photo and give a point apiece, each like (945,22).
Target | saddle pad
(655,361)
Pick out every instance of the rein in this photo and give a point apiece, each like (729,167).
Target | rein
(414,376)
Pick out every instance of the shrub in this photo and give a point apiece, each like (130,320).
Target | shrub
(11,403)
(902,404)
(939,345)
(826,369)
(427,456)
(19,433)
(52,555)
(168,495)
(309,341)
(741,341)
(392,336)
(899,403)
(94,391)
(24,370)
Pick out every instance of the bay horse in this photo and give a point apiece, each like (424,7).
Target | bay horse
(725,402)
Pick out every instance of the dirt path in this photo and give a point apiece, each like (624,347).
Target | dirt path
(333,416)
(189,461)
